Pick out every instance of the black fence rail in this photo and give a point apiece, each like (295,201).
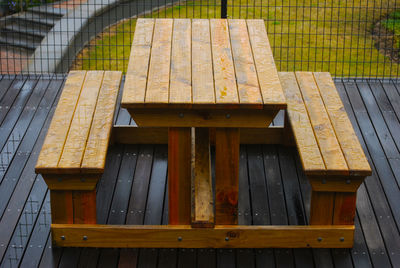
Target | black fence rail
(349,38)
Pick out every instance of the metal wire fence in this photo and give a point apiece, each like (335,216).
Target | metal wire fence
(349,38)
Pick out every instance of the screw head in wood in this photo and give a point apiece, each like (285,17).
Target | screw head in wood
(228,116)
(181,115)
(319,239)
(62,237)
(226,238)
(341,239)
(85,237)
(179,238)
(348,181)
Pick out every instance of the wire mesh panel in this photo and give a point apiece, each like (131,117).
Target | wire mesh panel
(349,38)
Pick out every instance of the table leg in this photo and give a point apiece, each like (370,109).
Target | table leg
(179,175)
(226,175)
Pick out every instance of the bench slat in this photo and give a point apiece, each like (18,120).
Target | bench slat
(136,74)
(53,145)
(307,145)
(202,69)
(323,130)
(224,72)
(351,148)
(270,85)
(158,81)
(97,144)
(74,147)
(246,76)
(181,75)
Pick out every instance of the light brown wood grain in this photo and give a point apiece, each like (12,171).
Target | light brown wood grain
(202,197)
(246,76)
(224,72)
(335,183)
(71,181)
(345,208)
(270,85)
(62,208)
(202,67)
(136,74)
(159,135)
(321,208)
(202,118)
(78,133)
(167,236)
(323,130)
(348,141)
(307,146)
(180,87)
(56,134)
(84,207)
(96,147)
(226,175)
(179,175)
(160,60)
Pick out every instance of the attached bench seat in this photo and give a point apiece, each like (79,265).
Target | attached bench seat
(74,151)
(331,155)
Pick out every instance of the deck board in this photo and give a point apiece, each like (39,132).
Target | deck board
(136,193)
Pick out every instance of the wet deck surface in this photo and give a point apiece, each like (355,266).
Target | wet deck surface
(273,189)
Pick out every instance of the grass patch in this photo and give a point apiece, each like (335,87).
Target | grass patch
(333,35)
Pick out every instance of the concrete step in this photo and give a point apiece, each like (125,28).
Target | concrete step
(49,10)
(24,29)
(19,43)
(35,18)
(27,38)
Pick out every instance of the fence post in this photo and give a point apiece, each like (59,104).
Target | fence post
(224,9)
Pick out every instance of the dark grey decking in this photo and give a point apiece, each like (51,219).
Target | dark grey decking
(132,191)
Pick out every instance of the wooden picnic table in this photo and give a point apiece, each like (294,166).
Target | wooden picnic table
(205,74)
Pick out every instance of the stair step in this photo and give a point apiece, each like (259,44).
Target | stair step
(18,43)
(29,17)
(22,29)
(50,10)
(27,38)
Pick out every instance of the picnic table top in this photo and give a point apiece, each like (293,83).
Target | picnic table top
(202,64)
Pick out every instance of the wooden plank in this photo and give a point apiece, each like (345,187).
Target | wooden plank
(159,135)
(203,118)
(226,175)
(71,182)
(167,236)
(351,148)
(202,66)
(84,207)
(321,208)
(310,155)
(345,208)
(57,133)
(159,70)
(268,78)
(62,208)
(224,72)
(246,75)
(71,158)
(202,197)
(97,144)
(330,149)
(136,74)
(179,175)
(180,87)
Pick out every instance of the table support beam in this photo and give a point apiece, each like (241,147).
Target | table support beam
(226,175)
(179,175)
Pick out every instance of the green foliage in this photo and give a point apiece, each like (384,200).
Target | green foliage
(310,35)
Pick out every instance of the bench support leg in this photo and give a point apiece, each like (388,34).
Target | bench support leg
(226,175)
(69,206)
(179,175)
(336,208)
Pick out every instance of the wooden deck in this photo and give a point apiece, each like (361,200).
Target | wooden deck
(132,191)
